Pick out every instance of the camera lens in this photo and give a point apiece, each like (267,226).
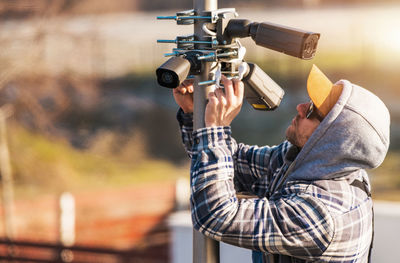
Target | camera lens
(167,77)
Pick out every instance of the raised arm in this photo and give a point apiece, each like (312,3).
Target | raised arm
(254,166)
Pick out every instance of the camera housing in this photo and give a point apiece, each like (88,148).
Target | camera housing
(173,72)
(294,42)
(291,41)
(261,91)
(176,69)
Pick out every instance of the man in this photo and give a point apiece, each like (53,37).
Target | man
(312,193)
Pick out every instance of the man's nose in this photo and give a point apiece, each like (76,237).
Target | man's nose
(302,109)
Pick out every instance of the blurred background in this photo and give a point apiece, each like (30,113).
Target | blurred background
(82,116)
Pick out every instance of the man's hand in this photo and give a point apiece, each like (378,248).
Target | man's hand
(222,107)
(184,96)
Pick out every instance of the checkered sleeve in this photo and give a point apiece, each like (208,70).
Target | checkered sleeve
(185,121)
(253,163)
(294,224)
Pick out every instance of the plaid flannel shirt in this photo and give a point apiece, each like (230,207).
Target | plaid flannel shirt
(296,221)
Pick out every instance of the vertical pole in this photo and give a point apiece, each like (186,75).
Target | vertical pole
(205,250)
(67,219)
(67,226)
(200,94)
(6,178)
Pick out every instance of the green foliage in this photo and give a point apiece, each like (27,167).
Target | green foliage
(42,165)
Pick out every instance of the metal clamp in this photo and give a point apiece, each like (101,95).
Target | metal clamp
(242,69)
(214,56)
(185,17)
(188,42)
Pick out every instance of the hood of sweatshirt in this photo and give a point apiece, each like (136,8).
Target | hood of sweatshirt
(354,135)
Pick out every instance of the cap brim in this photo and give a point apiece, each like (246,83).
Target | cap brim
(322,92)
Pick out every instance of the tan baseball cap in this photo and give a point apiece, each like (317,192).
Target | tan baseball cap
(322,92)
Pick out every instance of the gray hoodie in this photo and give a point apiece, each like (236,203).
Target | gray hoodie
(354,135)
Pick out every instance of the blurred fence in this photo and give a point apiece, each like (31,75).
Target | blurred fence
(26,251)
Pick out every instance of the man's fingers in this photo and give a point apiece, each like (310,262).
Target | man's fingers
(229,93)
(238,89)
(188,84)
(219,93)
(176,91)
(212,99)
(190,88)
(234,89)
(185,87)
(180,89)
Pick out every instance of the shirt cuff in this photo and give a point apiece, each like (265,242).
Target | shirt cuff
(211,137)
(184,119)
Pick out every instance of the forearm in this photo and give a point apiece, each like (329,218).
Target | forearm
(211,165)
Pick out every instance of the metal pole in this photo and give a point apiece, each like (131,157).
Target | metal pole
(205,250)
(6,176)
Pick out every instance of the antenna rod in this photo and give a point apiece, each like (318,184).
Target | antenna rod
(205,250)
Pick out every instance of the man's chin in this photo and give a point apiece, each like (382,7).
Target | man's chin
(290,140)
(290,135)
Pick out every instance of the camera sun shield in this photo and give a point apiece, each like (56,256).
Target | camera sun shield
(173,72)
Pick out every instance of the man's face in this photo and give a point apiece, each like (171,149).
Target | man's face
(301,128)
